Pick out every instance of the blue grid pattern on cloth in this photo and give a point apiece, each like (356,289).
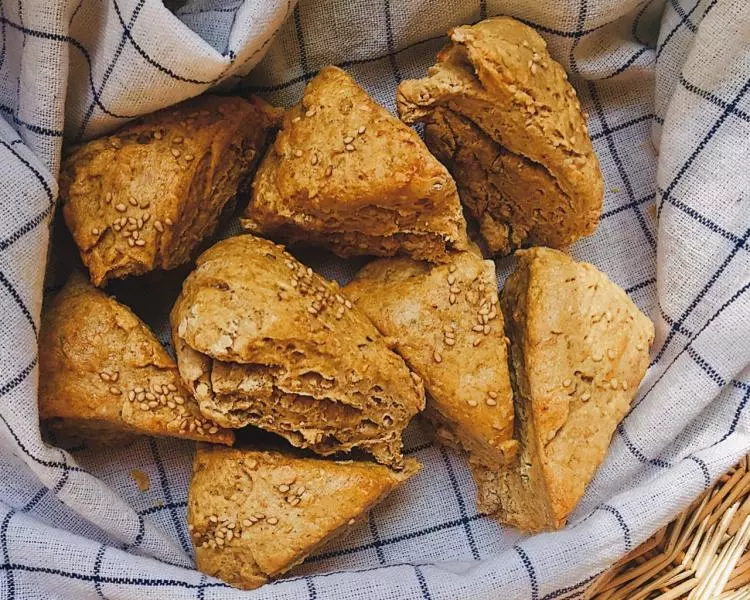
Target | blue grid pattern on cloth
(666,85)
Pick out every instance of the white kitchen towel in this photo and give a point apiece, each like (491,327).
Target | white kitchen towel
(666,88)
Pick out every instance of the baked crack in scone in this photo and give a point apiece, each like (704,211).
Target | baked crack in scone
(144,197)
(104,377)
(262,340)
(446,322)
(254,514)
(500,113)
(345,174)
(579,349)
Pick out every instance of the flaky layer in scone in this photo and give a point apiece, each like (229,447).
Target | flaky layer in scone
(263,340)
(579,349)
(446,322)
(144,197)
(500,113)
(254,514)
(104,376)
(345,174)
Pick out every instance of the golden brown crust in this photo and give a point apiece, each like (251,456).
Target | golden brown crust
(145,197)
(500,113)
(262,340)
(446,322)
(579,349)
(104,377)
(256,514)
(345,174)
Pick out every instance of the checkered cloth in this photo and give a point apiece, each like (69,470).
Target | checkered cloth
(666,89)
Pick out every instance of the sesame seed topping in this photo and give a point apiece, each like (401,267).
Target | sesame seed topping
(140,242)
(115,390)
(478,328)
(120,207)
(178,140)
(310,112)
(314,159)
(349,148)
(351,521)
(348,139)
(158,135)
(639,346)
(596,357)
(452,298)
(452,269)
(283,488)
(476,342)
(296,119)
(611,353)
(438,357)
(449,341)
(486,329)
(471,403)
(329,170)
(104,376)
(108,197)
(158,226)
(567,383)
(272,520)
(491,402)
(168,221)
(247,523)
(451,279)
(133,201)
(298,153)
(614,383)
(585,396)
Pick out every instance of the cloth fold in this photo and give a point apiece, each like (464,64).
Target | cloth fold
(667,89)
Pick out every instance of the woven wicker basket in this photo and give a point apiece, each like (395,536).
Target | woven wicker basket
(699,555)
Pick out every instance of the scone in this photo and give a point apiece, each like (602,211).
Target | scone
(144,197)
(104,377)
(579,349)
(255,514)
(500,113)
(345,174)
(446,322)
(262,340)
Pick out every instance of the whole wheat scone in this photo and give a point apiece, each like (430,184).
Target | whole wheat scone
(345,174)
(262,340)
(579,349)
(144,197)
(255,514)
(446,322)
(500,113)
(104,377)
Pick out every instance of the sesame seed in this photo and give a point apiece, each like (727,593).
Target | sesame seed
(179,400)
(158,135)
(478,328)
(449,341)
(349,148)
(471,403)
(491,402)
(567,383)
(284,488)
(272,521)
(639,346)
(451,279)
(131,396)
(486,329)
(452,269)
(133,201)
(94,231)
(596,357)
(177,140)
(351,521)
(104,376)
(476,342)
(533,69)
(115,376)
(611,353)
(168,221)
(455,289)
(158,226)
(452,298)
(329,170)
(213,430)
(585,396)
(438,357)
(140,242)
(348,139)
(175,152)
(247,523)
(310,112)
(116,143)
(108,197)
(314,159)
(115,390)
(614,383)
(143,406)
(296,119)
(120,207)
(298,153)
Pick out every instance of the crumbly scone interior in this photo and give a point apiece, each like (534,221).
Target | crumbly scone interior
(310,368)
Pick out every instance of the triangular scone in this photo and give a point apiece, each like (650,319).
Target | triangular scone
(579,349)
(446,322)
(255,514)
(344,173)
(263,340)
(145,196)
(500,113)
(104,377)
